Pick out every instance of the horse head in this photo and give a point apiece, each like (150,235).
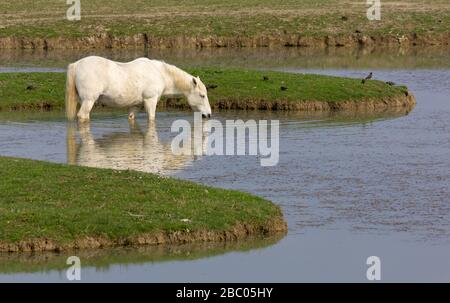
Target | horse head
(198,98)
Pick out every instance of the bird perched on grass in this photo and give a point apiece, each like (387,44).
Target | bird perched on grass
(283,88)
(367,78)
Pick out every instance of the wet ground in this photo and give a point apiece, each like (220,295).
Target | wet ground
(350,186)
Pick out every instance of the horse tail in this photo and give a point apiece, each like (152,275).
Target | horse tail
(71,93)
(71,144)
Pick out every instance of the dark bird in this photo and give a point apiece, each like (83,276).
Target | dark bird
(211,86)
(283,88)
(265,78)
(30,87)
(367,78)
(390,83)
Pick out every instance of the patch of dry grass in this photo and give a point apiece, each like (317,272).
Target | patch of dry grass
(41,18)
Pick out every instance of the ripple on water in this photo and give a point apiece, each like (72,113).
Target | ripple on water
(370,176)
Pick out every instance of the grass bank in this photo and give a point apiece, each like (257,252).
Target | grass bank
(230,89)
(53,207)
(210,23)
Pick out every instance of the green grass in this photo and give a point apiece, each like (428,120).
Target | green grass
(232,84)
(31,90)
(172,18)
(249,85)
(63,203)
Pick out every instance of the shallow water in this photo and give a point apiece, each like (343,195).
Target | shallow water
(341,58)
(350,186)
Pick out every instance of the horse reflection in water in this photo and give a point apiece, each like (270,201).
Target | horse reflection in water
(137,150)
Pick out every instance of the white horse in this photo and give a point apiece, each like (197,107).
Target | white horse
(137,150)
(133,84)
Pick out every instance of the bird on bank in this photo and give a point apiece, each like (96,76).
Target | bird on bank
(367,78)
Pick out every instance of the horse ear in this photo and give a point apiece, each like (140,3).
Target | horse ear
(194,81)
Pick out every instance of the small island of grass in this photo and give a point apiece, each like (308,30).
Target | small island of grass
(231,89)
(54,207)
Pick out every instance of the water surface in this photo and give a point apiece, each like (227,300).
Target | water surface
(350,186)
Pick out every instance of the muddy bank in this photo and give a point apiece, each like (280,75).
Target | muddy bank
(240,231)
(397,104)
(392,104)
(143,40)
(400,102)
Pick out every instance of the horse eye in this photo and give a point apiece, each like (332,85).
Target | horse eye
(202,96)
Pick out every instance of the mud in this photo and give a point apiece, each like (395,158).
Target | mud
(238,232)
(145,41)
(400,102)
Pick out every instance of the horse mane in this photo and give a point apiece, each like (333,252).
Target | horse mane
(182,81)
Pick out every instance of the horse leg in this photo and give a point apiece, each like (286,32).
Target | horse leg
(85,135)
(132,112)
(150,107)
(151,136)
(134,127)
(86,107)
